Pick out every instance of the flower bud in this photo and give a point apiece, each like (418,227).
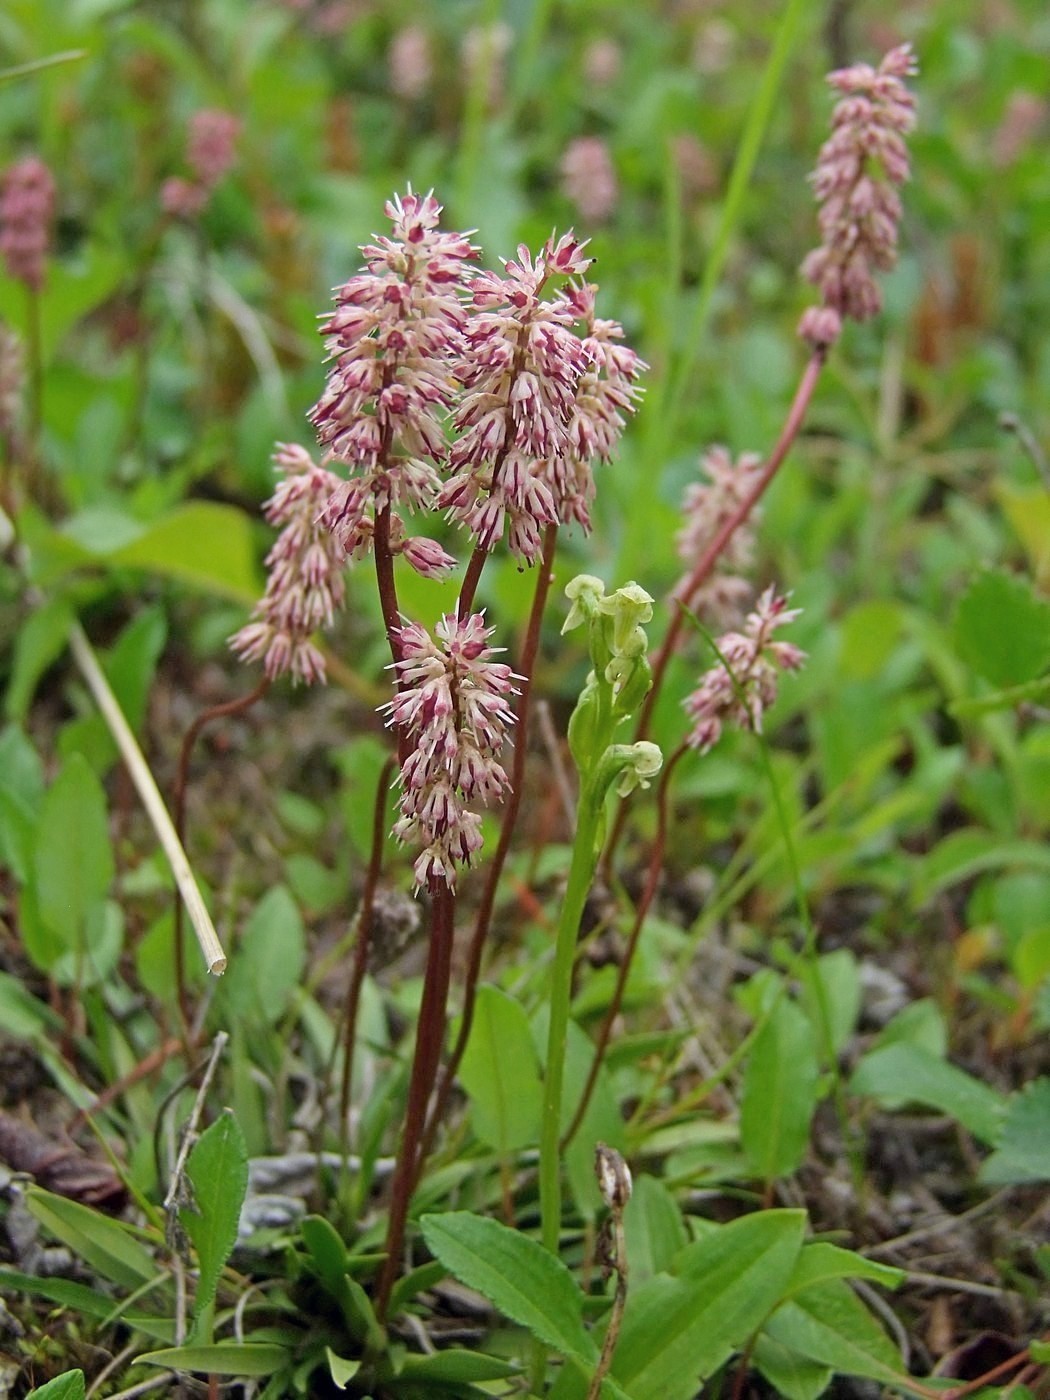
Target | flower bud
(585,593)
(629,607)
(614,1177)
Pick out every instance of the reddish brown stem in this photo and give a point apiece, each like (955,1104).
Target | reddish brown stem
(430,1034)
(471,578)
(148,1065)
(362,944)
(483,919)
(652,880)
(743,1367)
(710,556)
(385,581)
(224,711)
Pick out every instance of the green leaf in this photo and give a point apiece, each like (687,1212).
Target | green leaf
(792,1376)
(921,1023)
(21,1013)
(654,1228)
(780,1093)
(330,1261)
(73,859)
(1028,511)
(501,1073)
(1002,630)
(971,852)
(521,1278)
(269,960)
(455,1365)
(903,1073)
(838,977)
(75,286)
(41,640)
(341,1370)
(602,1122)
(67,1387)
(223,1359)
(18,822)
(326,1249)
(76,1296)
(203,543)
(820,1261)
(21,792)
(218,1172)
(95,961)
(1022,1150)
(417,1280)
(677,1330)
(829,1324)
(107,1245)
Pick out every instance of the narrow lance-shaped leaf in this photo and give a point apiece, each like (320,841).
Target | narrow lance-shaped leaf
(218,1171)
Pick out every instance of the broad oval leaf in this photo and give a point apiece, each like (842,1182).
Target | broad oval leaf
(73,860)
(830,1325)
(679,1329)
(518,1276)
(67,1387)
(1022,1152)
(1002,629)
(902,1073)
(501,1073)
(780,1093)
(204,543)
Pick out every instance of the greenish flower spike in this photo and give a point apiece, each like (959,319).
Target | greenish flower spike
(613,691)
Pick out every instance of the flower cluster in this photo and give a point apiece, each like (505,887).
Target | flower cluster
(858,171)
(411,63)
(589,179)
(707,506)
(391,339)
(453,708)
(520,368)
(744,683)
(305,584)
(210,152)
(606,391)
(27,207)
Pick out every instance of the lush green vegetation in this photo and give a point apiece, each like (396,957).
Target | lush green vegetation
(796,980)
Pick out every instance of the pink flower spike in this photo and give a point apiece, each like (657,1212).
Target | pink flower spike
(706,506)
(453,705)
(392,340)
(211,145)
(305,586)
(27,208)
(742,686)
(858,172)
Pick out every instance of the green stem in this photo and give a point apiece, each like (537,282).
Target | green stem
(581,873)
